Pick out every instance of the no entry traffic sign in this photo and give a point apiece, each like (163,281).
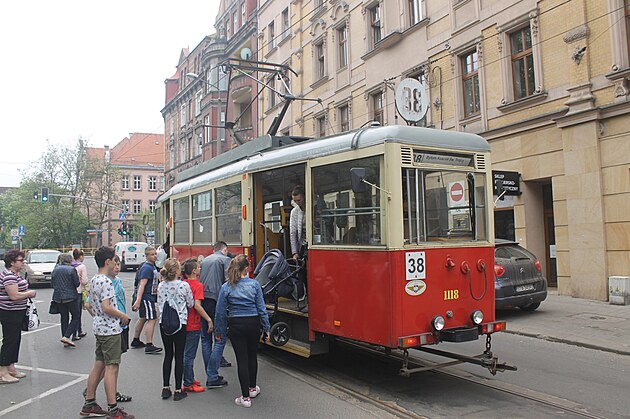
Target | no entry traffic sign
(456,194)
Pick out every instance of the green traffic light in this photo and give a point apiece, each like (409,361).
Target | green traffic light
(44,194)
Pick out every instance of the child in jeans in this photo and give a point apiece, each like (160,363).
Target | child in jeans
(190,273)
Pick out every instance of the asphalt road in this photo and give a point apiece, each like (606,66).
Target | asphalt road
(344,384)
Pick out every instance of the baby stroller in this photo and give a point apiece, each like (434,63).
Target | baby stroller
(279,278)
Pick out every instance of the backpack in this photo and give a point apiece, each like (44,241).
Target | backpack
(170,323)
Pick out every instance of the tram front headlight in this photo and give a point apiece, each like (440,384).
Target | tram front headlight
(477,316)
(438,323)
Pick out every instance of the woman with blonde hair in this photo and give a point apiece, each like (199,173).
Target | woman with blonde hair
(177,294)
(242,297)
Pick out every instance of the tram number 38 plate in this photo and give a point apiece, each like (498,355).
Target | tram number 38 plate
(415,266)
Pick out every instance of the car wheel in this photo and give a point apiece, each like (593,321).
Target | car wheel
(531,307)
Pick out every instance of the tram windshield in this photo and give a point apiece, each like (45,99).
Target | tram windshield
(442,205)
(342,216)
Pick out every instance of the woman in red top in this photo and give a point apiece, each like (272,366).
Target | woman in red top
(190,274)
(13,295)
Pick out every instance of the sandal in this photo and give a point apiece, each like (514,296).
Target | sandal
(121,398)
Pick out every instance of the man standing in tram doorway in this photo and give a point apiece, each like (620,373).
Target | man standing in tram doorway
(297,223)
(213,274)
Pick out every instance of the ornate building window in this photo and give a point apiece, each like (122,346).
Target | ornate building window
(320,60)
(470,83)
(522,57)
(344,118)
(376,100)
(342,45)
(375,25)
(414,8)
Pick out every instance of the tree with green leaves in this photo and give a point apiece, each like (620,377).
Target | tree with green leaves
(63,220)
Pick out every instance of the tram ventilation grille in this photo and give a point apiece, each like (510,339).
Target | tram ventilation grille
(406,155)
(481,161)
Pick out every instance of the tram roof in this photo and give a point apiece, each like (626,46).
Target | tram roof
(317,147)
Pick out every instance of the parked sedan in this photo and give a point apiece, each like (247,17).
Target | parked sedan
(39,266)
(519,281)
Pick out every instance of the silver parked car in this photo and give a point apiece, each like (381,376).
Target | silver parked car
(519,281)
(39,266)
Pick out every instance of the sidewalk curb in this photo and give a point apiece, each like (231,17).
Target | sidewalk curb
(569,342)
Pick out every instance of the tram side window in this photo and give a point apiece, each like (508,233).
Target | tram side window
(228,213)
(437,206)
(340,215)
(180,220)
(202,217)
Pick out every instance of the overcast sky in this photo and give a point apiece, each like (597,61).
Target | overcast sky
(77,68)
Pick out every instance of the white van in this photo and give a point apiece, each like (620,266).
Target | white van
(131,254)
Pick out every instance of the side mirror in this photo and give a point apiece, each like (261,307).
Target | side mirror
(357,174)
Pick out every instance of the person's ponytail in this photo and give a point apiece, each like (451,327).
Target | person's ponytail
(237,265)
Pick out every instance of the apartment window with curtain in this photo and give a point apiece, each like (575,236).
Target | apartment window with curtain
(342,37)
(344,118)
(198,96)
(286,24)
(182,110)
(137,182)
(272,94)
(375,25)
(522,63)
(124,182)
(470,83)
(243,17)
(320,126)
(320,61)
(271,30)
(182,151)
(415,11)
(377,107)
(235,18)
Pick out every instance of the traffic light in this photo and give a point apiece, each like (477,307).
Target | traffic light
(124,228)
(36,196)
(44,194)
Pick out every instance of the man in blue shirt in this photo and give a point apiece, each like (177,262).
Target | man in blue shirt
(213,275)
(147,285)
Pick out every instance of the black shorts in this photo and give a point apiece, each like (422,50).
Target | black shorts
(147,310)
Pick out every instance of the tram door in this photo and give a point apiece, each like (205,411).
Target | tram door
(272,207)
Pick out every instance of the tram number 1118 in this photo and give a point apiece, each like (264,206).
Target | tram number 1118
(415,266)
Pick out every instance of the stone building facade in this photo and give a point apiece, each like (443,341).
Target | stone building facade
(546,82)
(139,164)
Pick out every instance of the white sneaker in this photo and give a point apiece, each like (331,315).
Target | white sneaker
(253,392)
(243,401)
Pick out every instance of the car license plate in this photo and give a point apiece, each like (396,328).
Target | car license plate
(529,287)
(47,277)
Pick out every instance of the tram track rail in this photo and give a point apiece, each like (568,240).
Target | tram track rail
(565,405)
(391,408)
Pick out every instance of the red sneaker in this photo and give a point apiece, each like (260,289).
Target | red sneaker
(195,388)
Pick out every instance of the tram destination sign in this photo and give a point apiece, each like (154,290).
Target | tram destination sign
(510,180)
(424,157)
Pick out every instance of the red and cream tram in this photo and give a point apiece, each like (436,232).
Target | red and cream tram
(399,231)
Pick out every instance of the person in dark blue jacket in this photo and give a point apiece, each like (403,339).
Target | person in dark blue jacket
(242,297)
(65,281)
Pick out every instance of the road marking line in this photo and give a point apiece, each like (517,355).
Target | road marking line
(44,394)
(39,329)
(47,370)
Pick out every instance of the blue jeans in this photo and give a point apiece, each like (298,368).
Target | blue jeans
(212,368)
(206,344)
(190,352)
